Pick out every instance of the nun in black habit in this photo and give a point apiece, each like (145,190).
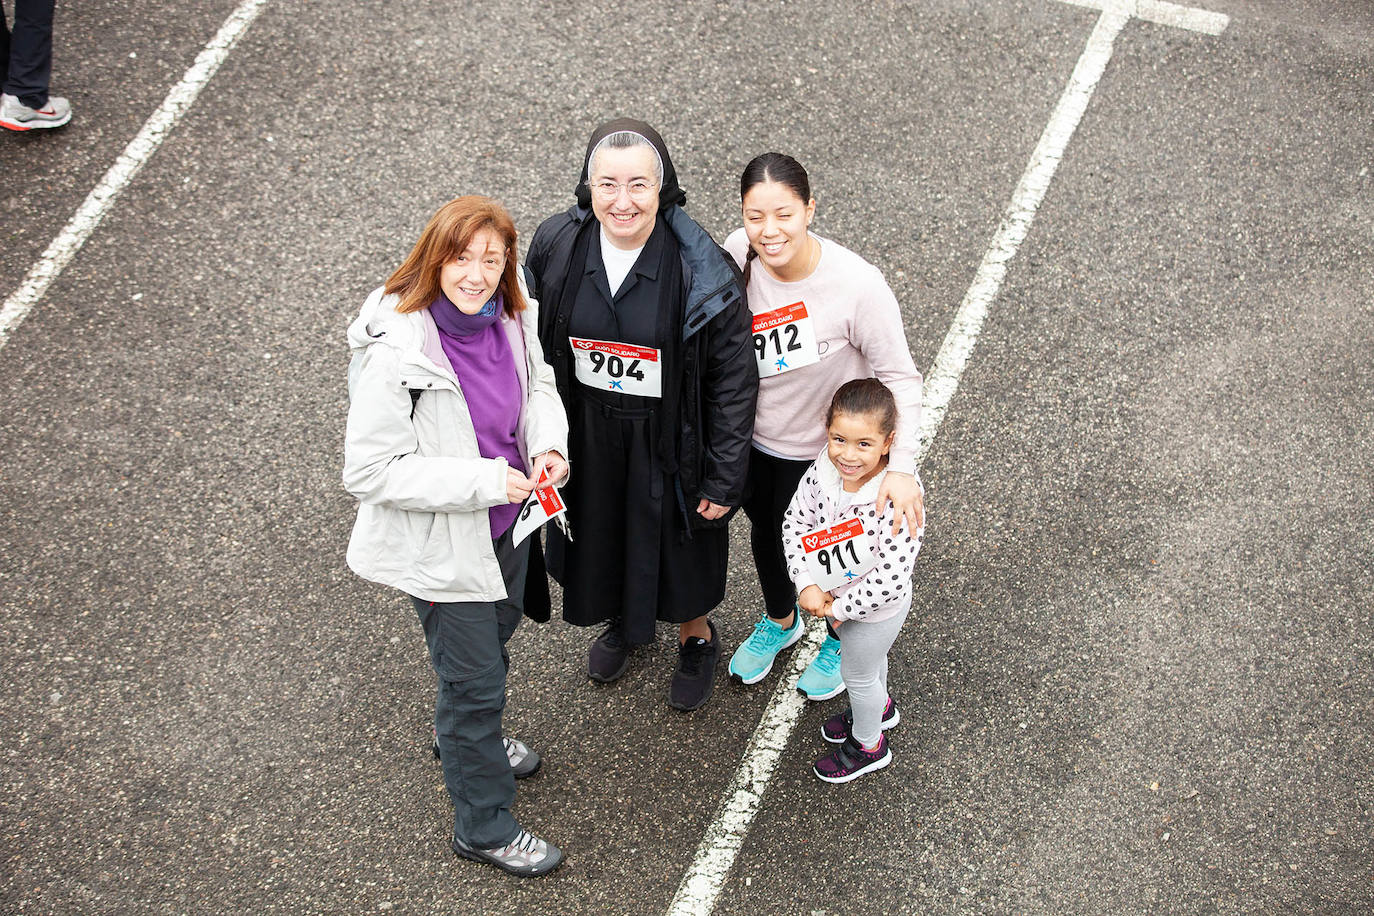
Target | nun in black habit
(644,322)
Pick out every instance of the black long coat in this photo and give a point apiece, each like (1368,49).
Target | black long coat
(705,421)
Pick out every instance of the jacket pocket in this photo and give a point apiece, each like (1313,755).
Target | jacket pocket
(431,548)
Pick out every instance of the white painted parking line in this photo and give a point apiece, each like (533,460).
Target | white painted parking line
(715,856)
(1161,13)
(716,853)
(140,149)
(943,379)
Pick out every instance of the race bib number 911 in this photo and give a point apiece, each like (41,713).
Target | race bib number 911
(626,368)
(838,555)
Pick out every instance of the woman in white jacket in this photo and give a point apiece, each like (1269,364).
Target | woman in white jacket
(453,419)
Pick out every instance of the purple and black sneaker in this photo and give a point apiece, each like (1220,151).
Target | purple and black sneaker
(836,728)
(850,761)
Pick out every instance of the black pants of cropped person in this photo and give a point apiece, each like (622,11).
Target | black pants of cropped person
(26,53)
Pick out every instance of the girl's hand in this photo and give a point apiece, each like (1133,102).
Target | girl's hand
(518,486)
(815,602)
(906,497)
(709,510)
(552,462)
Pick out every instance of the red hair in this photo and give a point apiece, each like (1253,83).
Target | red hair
(447,235)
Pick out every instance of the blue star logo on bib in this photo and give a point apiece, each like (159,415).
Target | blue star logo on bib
(782,363)
(849,574)
(616,386)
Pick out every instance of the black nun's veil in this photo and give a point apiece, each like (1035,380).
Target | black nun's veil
(669,194)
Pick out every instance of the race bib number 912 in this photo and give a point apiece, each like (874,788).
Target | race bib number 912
(784,339)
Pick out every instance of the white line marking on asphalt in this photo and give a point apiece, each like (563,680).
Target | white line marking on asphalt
(1161,13)
(715,856)
(88,216)
(943,379)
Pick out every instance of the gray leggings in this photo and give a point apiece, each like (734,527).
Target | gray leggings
(863,665)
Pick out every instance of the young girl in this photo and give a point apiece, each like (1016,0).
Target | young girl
(822,315)
(453,416)
(850,568)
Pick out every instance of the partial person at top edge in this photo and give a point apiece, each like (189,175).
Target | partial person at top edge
(26,67)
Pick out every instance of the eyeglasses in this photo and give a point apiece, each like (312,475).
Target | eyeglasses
(609,190)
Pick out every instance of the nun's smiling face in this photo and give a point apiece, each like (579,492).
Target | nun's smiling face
(624,189)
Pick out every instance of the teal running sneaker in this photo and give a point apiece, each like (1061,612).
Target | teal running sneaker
(754,658)
(821,680)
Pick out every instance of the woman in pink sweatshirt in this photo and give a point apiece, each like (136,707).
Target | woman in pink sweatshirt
(822,316)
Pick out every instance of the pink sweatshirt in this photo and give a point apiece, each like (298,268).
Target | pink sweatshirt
(859,332)
(820,502)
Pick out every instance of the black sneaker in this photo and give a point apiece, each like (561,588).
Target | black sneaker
(696,672)
(609,655)
(850,760)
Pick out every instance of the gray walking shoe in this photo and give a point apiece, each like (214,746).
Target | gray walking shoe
(15,115)
(526,856)
(523,761)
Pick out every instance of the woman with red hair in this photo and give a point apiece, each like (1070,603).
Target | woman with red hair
(453,419)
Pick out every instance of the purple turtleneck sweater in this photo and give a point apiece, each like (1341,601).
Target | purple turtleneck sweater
(478,351)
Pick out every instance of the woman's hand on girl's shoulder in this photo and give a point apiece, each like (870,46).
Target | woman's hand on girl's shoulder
(906,497)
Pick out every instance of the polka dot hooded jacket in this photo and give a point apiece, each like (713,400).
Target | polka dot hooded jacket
(820,501)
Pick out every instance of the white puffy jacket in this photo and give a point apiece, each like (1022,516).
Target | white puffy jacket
(425,489)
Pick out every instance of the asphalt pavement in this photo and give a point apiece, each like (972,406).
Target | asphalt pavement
(1137,676)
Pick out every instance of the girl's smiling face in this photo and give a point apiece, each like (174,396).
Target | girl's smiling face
(858,447)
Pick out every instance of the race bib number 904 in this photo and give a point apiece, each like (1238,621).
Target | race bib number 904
(838,555)
(609,366)
(784,339)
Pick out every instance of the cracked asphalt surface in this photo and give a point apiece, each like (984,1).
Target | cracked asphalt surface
(1137,678)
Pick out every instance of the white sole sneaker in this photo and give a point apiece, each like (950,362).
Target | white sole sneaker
(870,767)
(15,115)
(789,643)
(827,695)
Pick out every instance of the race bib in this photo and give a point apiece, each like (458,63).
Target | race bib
(839,554)
(626,368)
(784,339)
(543,504)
